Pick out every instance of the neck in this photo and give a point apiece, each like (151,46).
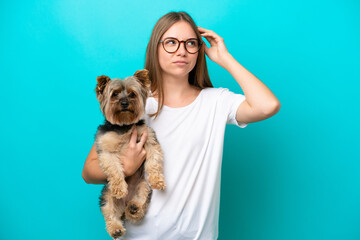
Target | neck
(140,122)
(109,127)
(175,87)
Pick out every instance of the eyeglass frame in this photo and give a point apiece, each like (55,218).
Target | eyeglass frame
(200,43)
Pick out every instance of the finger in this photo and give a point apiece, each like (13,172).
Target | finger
(206,49)
(143,154)
(202,30)
(133,136)
(143,140)
(210,40)
(208,33)
(213,36)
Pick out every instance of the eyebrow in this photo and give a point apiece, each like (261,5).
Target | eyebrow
(183,40)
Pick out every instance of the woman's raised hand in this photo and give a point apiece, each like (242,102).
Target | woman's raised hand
(217,52)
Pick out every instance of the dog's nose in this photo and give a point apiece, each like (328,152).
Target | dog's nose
(124,102)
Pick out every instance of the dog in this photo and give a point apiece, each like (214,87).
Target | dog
(122,103)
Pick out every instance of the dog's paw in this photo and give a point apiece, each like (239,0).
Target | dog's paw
(118,233)
(157,182)
(134,211)
(115,230)
(119,190)
(119,193)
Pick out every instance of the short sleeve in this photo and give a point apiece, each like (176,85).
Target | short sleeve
(229,103)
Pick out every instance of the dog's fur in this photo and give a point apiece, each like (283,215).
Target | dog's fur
(123,104)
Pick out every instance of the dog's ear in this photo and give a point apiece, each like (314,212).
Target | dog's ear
(102,81)
(143,77)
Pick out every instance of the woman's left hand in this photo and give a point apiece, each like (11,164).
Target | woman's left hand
(217,51)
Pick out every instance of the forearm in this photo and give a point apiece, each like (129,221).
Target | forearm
(132,159)
(258,95)
(260,102)
(92,173)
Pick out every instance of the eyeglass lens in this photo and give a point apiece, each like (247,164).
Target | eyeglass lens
(172,45)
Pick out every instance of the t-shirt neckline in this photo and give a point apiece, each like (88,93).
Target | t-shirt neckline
(184,107)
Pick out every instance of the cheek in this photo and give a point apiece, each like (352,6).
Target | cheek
(163,59)
(193,61)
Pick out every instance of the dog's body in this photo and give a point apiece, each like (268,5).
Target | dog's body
(122,103)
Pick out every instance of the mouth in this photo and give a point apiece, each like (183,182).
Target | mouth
(181,63)
(124,110)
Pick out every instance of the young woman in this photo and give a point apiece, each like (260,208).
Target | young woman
(189,118)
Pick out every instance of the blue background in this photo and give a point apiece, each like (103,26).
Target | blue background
(293,176)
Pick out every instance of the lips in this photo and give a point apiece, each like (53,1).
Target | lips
(180,63)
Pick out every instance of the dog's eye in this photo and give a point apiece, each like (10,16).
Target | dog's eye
(132,95)
(114,94)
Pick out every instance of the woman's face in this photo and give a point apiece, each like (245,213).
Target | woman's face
(181,62)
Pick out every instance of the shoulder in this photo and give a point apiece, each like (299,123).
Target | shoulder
(151,105)
(228,100)
(215,93)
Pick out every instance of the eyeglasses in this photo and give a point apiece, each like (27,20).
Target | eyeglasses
(171,45)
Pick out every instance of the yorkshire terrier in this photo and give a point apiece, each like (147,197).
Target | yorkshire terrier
(123,104)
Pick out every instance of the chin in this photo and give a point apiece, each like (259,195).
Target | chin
(178,73)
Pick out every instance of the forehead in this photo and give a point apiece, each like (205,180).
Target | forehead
(181,30)
(128,83)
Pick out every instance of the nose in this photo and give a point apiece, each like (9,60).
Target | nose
(124,102)
(181,50)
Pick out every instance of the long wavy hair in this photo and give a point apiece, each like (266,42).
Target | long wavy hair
(198,77)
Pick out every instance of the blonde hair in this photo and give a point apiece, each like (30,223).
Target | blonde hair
(198,77)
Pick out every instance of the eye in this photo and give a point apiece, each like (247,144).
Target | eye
(170,42)
(132,95)
(192,43)
(115,94)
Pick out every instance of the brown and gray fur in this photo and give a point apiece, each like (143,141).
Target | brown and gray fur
(123,104)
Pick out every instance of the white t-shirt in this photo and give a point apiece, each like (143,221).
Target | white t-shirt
(192,140)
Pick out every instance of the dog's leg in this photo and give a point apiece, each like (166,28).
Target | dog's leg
(113,168)
(108,147)
(112,209)
(154,161)
(136,207)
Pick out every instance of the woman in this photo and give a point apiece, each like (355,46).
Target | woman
(189,118)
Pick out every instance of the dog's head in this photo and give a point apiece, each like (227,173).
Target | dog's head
(123,101)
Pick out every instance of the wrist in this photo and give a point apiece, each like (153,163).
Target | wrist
(226,60)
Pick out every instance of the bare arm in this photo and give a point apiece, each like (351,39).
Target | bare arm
(92,173)
(134,155)
(260,102)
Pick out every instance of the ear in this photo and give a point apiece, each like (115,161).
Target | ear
(143,77)
(102,81)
